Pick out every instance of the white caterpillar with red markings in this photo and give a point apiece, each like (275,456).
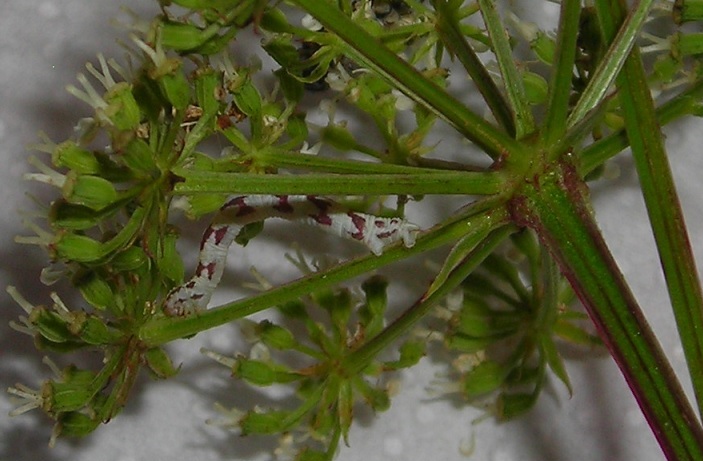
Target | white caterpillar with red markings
(374,232)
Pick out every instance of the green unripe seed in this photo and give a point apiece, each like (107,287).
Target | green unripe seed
(69,155)
(93,192)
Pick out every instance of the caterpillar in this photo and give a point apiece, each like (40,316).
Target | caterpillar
(374,232)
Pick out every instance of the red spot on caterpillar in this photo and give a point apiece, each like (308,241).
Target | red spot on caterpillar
(220,234)
(283,206)
(321,204)
(359,223)
(322,219)
(206,237)
(206,270)
(240,203)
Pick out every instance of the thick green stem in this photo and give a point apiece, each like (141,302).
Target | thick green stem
(661,199)
(445,183)
(557,208)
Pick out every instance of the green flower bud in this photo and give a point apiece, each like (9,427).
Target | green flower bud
(410,353)
(83,249)
(181,37)
(666,67)
(292,88)
(294,309)
(262,373)
(378,399)
(64,215)
(270,422)
(129,260)
(686,44)
(247,99)
(91,191)
(176,88)
(510,406)
(339,306)
(536,87)
(614,121)
(275,336)
(95,290)
(544,47)
(687,10)
(122,109)
(208,88)
(79,248)
(62,397)
(76,424)
(138,156)
(50,325)
(169,261)
(296,128)
(94,331)
(484,378)
(376,296)
(160,363)
(69,155)
(479,321)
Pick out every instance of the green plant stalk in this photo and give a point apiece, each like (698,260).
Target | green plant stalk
(364,48)
(296,161)
(554,123)
(514,86)
(557,209)
(485,240)
(663,207)
(163,330)
(612,62)
(445,183)
(448,29)
(685,103)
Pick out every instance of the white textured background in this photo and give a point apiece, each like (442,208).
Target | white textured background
(43,44)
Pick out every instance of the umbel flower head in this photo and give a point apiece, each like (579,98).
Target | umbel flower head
(327,386)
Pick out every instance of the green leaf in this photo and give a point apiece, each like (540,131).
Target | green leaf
(484,378)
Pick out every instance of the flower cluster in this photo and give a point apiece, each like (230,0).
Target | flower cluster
(503,327)
(338,323)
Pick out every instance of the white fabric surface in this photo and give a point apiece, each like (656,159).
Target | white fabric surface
(43,44)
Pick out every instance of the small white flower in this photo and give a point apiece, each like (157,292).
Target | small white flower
(259,351)
(228,362)
(156,54)
(311,23)
(230,417)
(310,150)
(337,78)
(46,174)
(88,95)
(402,102)
(29,399)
